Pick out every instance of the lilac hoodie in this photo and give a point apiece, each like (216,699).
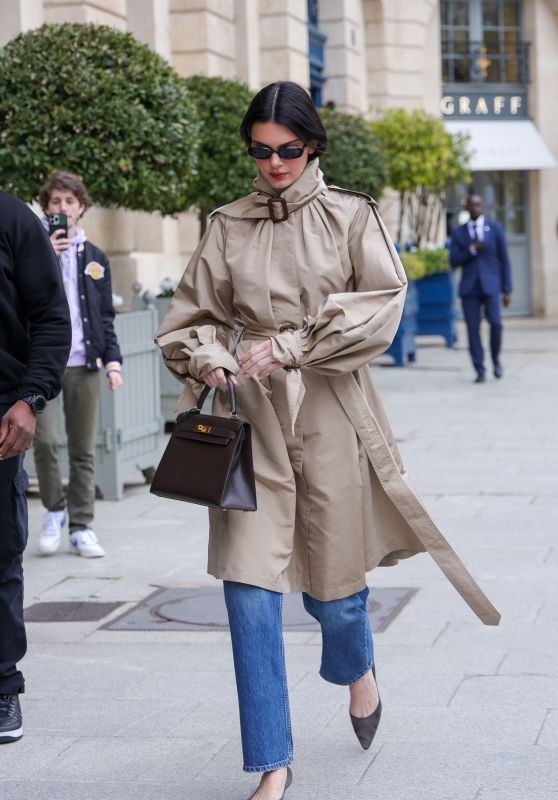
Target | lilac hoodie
(68,264)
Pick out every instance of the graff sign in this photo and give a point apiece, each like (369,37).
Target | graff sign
(484,105)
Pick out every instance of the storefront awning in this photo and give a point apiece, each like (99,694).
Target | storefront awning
(503,145)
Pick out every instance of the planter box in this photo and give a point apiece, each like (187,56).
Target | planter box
(129,423)
(402,348)
(436,307)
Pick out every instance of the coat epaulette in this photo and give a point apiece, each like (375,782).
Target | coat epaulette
(236,208)
(367,197)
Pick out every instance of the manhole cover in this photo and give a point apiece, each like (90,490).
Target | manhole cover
(69,612)
(204,609)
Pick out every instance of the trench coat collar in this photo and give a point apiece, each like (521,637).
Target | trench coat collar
(308,186)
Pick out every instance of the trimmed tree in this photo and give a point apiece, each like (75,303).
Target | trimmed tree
(224,170)
(95,101)
(423,161)
(354,159)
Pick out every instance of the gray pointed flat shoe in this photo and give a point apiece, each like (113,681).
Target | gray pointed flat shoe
(287,784)
(366,727)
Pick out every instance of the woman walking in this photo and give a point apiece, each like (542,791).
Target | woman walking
(311,276)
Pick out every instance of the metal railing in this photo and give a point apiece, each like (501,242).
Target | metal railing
(171,388)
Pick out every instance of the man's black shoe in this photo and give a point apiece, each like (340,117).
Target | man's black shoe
(11,723)
(480,378)
(498,371)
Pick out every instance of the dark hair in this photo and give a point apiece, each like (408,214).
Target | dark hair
(290,105)
(64,180)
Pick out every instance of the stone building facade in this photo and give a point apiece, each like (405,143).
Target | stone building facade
(362,55)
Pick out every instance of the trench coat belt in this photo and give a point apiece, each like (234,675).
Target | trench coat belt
(294,384)
(401,494)
(260,335)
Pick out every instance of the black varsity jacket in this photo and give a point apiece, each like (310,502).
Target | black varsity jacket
(95,300)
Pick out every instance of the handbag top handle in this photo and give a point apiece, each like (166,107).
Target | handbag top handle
(232,396)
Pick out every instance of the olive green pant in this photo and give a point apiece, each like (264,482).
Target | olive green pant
(80,394)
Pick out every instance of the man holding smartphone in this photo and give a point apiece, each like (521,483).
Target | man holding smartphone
(86,276)
(35,336)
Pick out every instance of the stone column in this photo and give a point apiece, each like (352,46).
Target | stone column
(203,37)
(284,41)
(345,54)
(247,25)
(403,54)
(19,16)
(403,58)
(204,40)
(155,252)
(100,12)
(541,30)
(149,21)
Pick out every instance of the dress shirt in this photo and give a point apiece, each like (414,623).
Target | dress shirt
(478,226)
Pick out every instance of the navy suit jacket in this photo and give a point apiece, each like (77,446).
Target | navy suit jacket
(491,264)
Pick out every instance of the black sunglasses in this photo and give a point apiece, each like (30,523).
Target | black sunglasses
(285,153)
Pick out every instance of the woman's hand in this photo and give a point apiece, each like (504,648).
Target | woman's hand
(216,377)
(258,361)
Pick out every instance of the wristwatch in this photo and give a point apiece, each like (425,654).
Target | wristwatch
(36,402)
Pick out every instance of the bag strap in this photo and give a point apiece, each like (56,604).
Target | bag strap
(238,334)
(232,395)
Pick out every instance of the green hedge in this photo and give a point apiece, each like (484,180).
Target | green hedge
(420,263)
(97,102)
(224,172)
(354,159)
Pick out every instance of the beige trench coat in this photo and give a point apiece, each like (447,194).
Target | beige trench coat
(333,496)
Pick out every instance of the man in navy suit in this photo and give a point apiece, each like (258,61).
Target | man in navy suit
(479,247)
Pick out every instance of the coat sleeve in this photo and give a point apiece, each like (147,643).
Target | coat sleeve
(352,328)
(112,349)
(43,300)
(199,324)
(460,252)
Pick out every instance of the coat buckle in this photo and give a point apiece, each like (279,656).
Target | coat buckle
(271,203)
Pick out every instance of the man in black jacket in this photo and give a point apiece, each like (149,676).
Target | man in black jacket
(86,276)
(35,336)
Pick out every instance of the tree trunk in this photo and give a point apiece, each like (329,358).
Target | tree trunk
(402,199)
(434,218)
(441,205)
(421,216)
(414,216)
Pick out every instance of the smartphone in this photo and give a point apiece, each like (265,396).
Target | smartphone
(57,222)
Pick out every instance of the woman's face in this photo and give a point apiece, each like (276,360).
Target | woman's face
(280,173)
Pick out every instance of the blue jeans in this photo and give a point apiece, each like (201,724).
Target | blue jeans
(255,620)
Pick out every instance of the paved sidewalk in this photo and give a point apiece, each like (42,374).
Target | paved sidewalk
(471,713)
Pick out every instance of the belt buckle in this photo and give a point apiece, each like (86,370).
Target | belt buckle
(284,210)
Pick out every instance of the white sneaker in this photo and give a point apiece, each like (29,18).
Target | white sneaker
(84,543)
(51,530)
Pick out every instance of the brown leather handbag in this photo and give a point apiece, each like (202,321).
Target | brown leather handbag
(208,459)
